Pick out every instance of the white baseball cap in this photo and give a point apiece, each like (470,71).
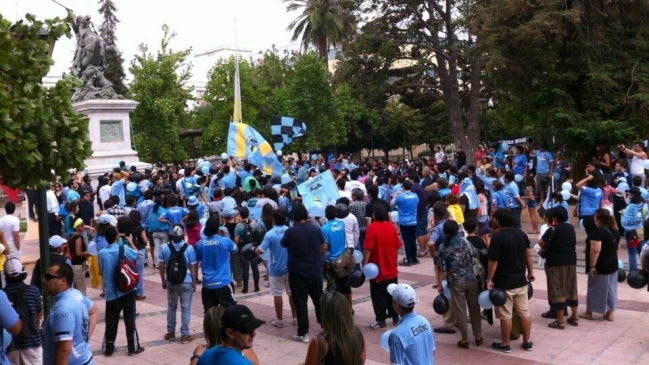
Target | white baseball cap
(13,267)
(403,294)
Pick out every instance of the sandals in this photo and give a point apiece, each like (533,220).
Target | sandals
(573,321)
(609,318)
(557,325)
(463,345)
(585,315)
(478,341)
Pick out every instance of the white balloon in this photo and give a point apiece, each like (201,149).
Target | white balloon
(224,156)
(279,153)
(566,186)
(200,161)
(92,248)
(518,177)
(565,194)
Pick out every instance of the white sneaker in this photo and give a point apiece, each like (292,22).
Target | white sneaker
(277,323)
(303,339)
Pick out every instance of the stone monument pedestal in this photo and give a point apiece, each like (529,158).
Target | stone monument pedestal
(110,133)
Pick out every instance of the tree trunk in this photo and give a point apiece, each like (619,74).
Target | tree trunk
(323,49)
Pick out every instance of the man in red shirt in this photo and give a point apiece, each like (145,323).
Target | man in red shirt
(381,247)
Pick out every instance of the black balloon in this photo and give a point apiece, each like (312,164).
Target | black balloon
(356,279)
(530,291)
(248,252)
(497,297)
(342,210)
(440,304)
(621,275)
(258,232)
(637,279)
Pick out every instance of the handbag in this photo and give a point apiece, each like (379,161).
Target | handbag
(543,253)
(478,269)
(344,264)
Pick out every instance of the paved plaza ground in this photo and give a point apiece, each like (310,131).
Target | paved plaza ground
(624,341)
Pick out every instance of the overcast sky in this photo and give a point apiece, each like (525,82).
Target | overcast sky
(200,24)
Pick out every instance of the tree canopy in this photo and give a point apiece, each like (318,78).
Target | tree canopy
(114,71)
(159,85)
(42,136)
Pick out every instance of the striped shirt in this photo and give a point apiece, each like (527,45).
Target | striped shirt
(35,303)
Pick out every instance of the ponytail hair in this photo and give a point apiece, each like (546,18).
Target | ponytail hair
(606,219)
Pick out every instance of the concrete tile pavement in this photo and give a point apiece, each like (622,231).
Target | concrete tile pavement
(624,341)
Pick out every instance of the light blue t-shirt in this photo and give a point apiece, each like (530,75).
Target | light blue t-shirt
(412,342)
(214,252)
(406,203)
(8,317)
(278,253)
(229,206)
(145,208)
(228,180)
(190,257)
(68,320)
(511,193)
(73,195)
(520,162)
(543,160)
(334,235)
(107,263)
(633,216)
(175,216)
(590,199)
(222,356)
(118,189)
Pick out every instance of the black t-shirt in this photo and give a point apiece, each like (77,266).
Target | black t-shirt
(607,259)
(303,242)
(137,237)
(508,246)
(479,245)
(369,208)
(461,158)
(86,211)
(562,248)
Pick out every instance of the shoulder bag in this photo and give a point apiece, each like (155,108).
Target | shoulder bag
(478,269)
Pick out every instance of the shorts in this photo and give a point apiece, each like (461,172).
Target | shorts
(279,285)
(223,296)
(422,227)
(336,283)
(516,303)
(531,204)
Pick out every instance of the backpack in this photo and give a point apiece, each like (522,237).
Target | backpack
(247,235)
(126,274)
(177,265)
(19,304)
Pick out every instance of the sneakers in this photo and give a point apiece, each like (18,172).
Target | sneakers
(187,339)
(416,262)
(502,348)
(528,346)
(443,330)
(405,263)
(136,352)
(298,338)
(170,336)
(376,325)
(277,323)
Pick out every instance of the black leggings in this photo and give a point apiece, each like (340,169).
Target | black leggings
(246,266)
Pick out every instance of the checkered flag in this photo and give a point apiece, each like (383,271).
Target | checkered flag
(284,130)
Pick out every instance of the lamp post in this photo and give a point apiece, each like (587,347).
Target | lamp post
(41,201)
(483,104)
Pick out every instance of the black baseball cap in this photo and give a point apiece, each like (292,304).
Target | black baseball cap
(240,318)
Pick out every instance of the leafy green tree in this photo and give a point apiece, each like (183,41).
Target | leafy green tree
(570,71)
(419,48)
(114,71)
(321,23)
(159,87)
(42,136)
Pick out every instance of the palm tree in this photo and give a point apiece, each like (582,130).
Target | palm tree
(322,22)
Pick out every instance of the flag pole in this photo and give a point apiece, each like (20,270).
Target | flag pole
(237,114)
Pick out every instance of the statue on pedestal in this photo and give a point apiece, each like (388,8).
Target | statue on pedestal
(89,63)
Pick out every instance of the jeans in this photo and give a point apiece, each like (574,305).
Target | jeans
(159,239)
(301,289)
(141,256)
(245,267)
(183,291)
(633,257)
(382,300)
(409,236)
(124,303)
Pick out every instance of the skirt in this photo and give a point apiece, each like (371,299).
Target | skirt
(562,286)
(602,293)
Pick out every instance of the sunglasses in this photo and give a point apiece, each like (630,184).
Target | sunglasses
(48,276)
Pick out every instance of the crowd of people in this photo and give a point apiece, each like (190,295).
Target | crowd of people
(194,226)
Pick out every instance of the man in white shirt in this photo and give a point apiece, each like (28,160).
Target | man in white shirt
(104,194)
(354,183)
(352,230)
(53,213)
(439,155)
(636,168)
(10,227)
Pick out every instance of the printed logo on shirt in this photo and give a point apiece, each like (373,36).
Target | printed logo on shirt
(211,243)
(416,331)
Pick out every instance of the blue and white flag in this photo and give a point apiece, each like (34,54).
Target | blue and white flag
(467,188)
(284,130)
(321,187)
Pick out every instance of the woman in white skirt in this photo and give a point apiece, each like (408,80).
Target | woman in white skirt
(602,267)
